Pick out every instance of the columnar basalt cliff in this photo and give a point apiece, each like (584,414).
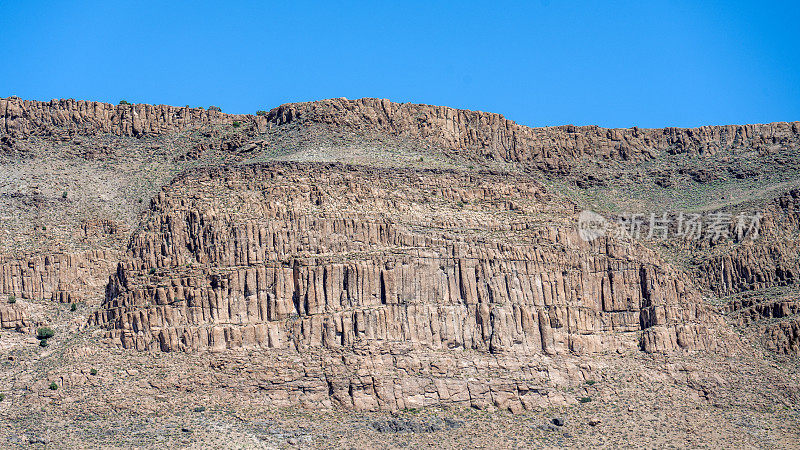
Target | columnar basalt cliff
(376,265)
(472,133)
(20,118)
(493,136)
(295,256)
(65,278)
(452,274)
(768,261)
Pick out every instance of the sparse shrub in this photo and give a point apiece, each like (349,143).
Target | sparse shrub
(44,227)
(590,382)
(141,200)
(152,271)
(45,333)
(421,159)
(73,307)
(53,386)
(200,409)
(215,108)
(261,112)
(93,371)
(43,343)
(12,299)
(236,124)
(2,397)
(124,102)
(64,194)
(585,399)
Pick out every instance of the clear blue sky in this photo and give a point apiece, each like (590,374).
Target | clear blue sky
(618,64)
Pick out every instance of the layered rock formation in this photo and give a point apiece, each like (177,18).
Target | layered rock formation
(301,256)
(494,137)
(65,277)
(329,284)
(20,118)
(472,134)
(772,319)
(770,260)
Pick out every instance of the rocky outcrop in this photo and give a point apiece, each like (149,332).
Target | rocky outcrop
(747,311)
(312,256)
(20,118)
(328,285)
(387,289)
(771,259)
(472,134)
(783,337)
(12,316)
(62,277)
(492,136)
(397,377)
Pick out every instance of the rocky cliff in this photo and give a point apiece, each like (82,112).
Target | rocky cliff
(472,133)
(492,136)
(292,256)
(454,276)
(381,266)
(20,118)
(65,278)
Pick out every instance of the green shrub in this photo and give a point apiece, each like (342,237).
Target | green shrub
(53,386)
(2,397)
(590,382)
(236,124)
(64,194)
(261,112)
(152,271)
(73,307)
(43,343)
(585,399)
(12,299)
(215,108)
(93,371)
(124,102)
(45,333)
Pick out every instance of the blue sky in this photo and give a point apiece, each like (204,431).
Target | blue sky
(616,64)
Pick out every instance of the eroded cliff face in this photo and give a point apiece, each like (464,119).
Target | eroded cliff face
(375,288)
(473,134)
(21,118)
(299,256)
(492,136)
(770,260)
(64,277)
